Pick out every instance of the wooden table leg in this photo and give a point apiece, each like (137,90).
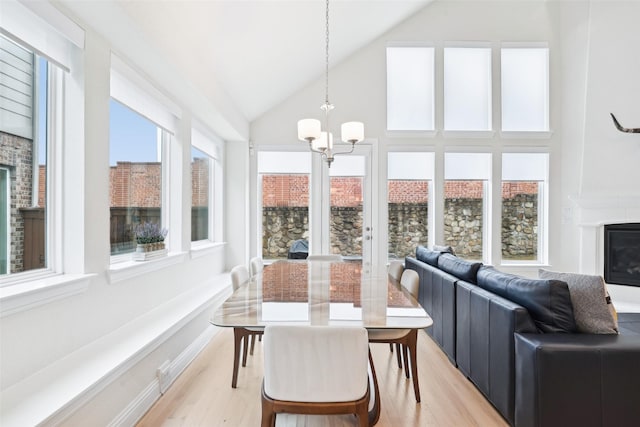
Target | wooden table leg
(237,341)
(412,347)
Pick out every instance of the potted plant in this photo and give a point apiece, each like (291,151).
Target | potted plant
(150,238)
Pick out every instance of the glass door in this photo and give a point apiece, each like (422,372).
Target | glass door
(347,207)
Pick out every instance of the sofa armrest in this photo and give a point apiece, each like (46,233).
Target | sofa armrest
(577,379)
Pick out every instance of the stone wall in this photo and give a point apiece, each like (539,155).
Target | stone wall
(407,228)
(281,226)
(463,226)
(520,227)
(346,230)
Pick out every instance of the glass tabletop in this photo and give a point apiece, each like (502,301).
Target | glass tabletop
(322,293)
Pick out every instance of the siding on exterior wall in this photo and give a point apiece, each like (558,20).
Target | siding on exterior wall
(16,89)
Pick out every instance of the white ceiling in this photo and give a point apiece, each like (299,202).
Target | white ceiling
(260,51)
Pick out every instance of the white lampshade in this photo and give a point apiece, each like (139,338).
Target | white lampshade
(321,143)
(352,131)
(308,129)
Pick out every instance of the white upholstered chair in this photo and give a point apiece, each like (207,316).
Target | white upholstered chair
(256,265)
(406,338)
(239,276)
(327,257)
(396,268)
(315,370)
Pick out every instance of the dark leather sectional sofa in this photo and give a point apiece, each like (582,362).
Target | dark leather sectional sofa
(515,339)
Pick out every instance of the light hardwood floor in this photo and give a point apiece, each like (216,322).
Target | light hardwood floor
(202,395)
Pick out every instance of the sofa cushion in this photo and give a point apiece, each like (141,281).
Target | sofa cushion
(461,268)
(441,248)
(592,307)
(427,256)
(548,301)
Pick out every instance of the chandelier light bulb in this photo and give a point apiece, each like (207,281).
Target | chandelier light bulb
(308,129)
(352,132)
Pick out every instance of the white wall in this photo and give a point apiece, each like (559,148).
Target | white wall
(593,71)
(38,342)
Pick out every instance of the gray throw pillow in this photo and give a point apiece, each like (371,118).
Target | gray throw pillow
(592,307)
(445,249)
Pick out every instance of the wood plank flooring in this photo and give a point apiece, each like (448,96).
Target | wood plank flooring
(202,395)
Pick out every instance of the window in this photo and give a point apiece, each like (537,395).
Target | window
(25,113)
(410,88)
(201,165)
(283,186)
(467,88)
(466,203)
(135,157)
(525,89)
(524,177)
(346,205)
(409,177)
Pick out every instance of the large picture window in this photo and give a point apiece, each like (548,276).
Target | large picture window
(467,88)
(201,165)
(283,186)
(135,153)
(465,205)
(25,143)
(524,178)
(525,89)
(409,179)
(410,88)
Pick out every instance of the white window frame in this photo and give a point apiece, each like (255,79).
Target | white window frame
(209,145)
(543,214)
(434,87)
(525,134)
(469,133)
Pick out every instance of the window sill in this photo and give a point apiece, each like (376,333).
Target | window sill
(129,269)
(30,294)
(411,133)
(526,134)
(468,134)
(204,247)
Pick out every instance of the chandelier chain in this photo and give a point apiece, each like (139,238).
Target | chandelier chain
(326,72)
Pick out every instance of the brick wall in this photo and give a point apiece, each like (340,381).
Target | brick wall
(200,182)
(16,155)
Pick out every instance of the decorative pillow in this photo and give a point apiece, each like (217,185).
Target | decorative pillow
(592,307)
(461,268)
(444,249)
(425,255)
(547,301)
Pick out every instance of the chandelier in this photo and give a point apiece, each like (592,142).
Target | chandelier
(310,130)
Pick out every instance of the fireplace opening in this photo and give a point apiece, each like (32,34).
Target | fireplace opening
(622,254)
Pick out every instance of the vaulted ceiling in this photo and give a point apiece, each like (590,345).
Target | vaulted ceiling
(261,51)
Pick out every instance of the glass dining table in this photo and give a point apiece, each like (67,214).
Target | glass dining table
(329,293)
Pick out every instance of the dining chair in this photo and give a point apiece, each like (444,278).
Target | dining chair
(256,265)
(407,339)
(315,370)
(395,271)
(239,276)
(325,257)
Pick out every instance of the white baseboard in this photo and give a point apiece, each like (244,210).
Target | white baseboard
(151,393)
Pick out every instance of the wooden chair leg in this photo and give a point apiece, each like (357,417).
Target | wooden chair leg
(268,415)
(412,344)
(391,347)
(405,350)
(399,355)
(245,349)
(237,342)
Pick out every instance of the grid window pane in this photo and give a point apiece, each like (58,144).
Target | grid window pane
(410,88)
(135,175)
(467,88)
(200,172)
(525,89)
